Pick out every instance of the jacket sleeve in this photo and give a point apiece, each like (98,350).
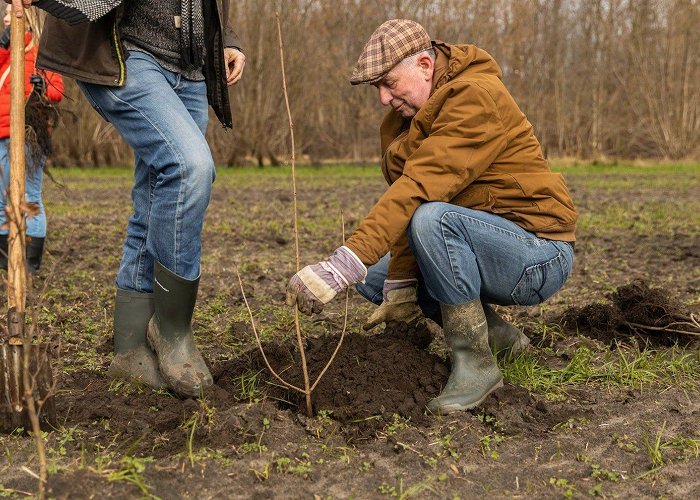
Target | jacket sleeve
(231,39)
(4,56)
(465,137)
(54,86)
(402,263)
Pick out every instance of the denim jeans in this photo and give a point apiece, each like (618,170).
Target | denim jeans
(163,117)
(466,254)
(34,179)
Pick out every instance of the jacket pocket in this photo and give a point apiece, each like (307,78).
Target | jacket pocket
(541,281)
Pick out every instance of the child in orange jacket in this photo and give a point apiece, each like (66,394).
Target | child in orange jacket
(42,88)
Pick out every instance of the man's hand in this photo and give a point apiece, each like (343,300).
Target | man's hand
(18,6)
(39,83)
(314,286)
(400,304)
(234,61)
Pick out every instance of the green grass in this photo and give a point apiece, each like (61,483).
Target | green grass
(623,367)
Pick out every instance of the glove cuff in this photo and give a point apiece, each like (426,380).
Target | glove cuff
(347,266)
(390,285)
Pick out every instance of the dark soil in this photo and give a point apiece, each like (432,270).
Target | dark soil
(652,315)
(370,437)
(366,384)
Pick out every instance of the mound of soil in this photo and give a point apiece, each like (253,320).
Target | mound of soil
(372,378)
(635,310)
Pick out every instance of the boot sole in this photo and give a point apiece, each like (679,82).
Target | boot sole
(451,408)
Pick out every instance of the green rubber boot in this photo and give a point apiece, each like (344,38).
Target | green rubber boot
(505,339)
(474,374)
(35,250)
(133,359)
(170,333)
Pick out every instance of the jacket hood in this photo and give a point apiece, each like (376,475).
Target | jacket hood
(453,60)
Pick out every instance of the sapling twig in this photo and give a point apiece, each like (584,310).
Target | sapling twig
(308,388)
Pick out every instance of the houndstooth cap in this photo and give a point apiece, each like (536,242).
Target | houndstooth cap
(390,44)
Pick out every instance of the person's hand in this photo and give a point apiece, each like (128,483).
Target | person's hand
(400,304)
(314,286)
(39,83)
(18,6)
(234,61)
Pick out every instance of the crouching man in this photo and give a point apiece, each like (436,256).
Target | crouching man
(472,216)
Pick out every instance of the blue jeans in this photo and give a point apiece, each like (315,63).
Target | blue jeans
(466,254)
(163,117)
(34,179)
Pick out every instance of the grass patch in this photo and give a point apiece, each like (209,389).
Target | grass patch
(623,367)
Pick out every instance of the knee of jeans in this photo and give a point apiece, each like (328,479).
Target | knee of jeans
(200,169)
(425,221)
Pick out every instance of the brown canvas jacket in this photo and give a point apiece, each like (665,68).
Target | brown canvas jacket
(469,145)
(92,52)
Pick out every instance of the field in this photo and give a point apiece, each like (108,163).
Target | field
(596,407)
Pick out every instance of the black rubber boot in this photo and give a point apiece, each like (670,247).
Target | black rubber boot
(474,374)
(35,250)
(505,339)
(133,358)
(3,251)
(170,333)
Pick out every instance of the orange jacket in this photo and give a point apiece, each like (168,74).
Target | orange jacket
(54,82)
(469,145)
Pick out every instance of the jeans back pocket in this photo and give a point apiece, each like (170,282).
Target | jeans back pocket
(541,281)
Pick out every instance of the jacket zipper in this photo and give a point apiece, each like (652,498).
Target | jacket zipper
(120,56)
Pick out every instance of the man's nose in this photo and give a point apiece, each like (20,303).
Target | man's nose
(385,96)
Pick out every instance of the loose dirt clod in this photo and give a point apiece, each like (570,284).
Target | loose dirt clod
(634,309)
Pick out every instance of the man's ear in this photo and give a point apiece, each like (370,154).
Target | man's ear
(426,63)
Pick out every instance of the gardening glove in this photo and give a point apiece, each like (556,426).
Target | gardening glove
(38,82)
(316,285)
(5,38)
(400,304)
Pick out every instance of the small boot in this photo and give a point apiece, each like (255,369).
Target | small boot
(170,333)
(505,339)
(474,373)
(35,250)
(3,251)
(133,359)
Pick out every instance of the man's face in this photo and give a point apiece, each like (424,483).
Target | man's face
(407,86)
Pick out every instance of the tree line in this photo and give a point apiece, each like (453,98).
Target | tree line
(598,79)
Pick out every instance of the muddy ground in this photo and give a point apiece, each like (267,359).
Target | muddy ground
(598,406)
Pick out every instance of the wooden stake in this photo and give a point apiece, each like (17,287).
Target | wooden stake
(26,381)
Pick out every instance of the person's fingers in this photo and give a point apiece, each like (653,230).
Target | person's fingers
(235,62)
(237,71)
(376,318)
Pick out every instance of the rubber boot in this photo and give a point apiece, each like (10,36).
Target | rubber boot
(35,250)
(3,251)
(170,333)
(505,339)
(474,374)
(133,358)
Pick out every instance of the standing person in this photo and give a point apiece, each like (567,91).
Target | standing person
(473,215)
(42,89)
(151,67)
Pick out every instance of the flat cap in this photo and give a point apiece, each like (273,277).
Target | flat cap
(390,44)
